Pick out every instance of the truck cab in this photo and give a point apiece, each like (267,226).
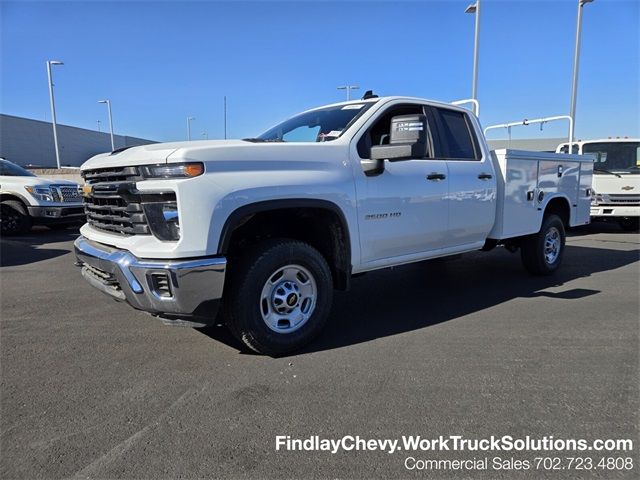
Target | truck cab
(616,179)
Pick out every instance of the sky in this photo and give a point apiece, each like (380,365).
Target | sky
(161,62)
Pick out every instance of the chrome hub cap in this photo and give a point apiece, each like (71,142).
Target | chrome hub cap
(288,298)
(552,245)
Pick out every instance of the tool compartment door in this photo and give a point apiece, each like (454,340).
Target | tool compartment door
(516,213)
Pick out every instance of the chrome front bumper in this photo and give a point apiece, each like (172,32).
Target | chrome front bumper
(167,288)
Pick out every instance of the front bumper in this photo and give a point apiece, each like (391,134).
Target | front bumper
(167,288)
(615,210)
(57,214)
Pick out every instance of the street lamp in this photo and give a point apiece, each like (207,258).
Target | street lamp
(189,127)
(475,9)
(108,102)
(53,108)
(99,122)
(576,64)
(348,88)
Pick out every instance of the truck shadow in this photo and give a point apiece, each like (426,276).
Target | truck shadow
(416,296)
(34,246)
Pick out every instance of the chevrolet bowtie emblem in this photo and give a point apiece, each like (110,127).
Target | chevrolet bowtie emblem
(86,190)
(628,187)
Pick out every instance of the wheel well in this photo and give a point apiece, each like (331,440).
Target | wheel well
(559,206)
(9,196)
(322,228)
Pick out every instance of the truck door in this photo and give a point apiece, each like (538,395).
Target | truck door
(403,210)
(472,180)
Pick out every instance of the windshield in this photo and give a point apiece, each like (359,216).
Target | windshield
(621,157)
(321,125)
(12,170)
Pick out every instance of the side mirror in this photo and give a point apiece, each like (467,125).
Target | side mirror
(407,139)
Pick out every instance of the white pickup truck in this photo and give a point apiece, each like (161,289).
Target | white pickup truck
(616,179)
(27,200)
(261,230)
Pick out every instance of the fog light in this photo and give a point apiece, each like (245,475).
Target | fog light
(163,219)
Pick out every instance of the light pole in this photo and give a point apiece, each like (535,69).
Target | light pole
(189,127)
(225,117)
(475,9)
(348,88)
(108,102)
(98,122)
(576,64)
(53,108)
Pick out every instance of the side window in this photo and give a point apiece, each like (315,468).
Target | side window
(457,140)
(378,133)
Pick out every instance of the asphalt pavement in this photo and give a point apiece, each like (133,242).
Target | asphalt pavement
(474,346)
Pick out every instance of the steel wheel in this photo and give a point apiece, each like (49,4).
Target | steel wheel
(288,298)
(552,245)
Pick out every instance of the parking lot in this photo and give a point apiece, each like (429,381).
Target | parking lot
(472,346)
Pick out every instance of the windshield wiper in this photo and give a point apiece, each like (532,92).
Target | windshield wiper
(603,170)
(262,140)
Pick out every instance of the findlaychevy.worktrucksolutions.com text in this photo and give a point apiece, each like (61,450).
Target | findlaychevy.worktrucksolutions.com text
(458,443)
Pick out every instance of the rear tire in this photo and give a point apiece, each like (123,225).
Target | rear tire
(279,296)
(542,252)
(14,218)
(630,224)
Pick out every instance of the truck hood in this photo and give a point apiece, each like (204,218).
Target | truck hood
(629,184)
(214,150)
(25,181)
(140,155)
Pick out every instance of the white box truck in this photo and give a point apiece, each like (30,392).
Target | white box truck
(616,179)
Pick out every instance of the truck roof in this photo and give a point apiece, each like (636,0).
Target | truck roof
(387,99)
(602,140)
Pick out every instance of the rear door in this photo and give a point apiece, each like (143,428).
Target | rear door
(403,210)
(472,182)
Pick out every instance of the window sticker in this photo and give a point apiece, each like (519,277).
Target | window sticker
(353,106)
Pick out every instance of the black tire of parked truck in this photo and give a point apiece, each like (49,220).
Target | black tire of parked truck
(14,218)
(542,252)
(630,224)
(278,296)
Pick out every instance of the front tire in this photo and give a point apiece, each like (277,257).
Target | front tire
(14,218)
(542,252)
(279,296)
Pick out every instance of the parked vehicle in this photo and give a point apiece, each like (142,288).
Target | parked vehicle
(27,200)
(616,179)
(262,230)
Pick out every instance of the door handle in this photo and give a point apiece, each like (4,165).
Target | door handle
(485,176)
(436,176)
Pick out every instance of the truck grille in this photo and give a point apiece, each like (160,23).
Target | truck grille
(113,204)
(65,193)
(623,199)
(104,277)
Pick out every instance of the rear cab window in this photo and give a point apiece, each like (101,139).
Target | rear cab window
(456,138)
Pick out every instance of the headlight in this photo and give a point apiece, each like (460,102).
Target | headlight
(597,198)
(173,170)
(42,193)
